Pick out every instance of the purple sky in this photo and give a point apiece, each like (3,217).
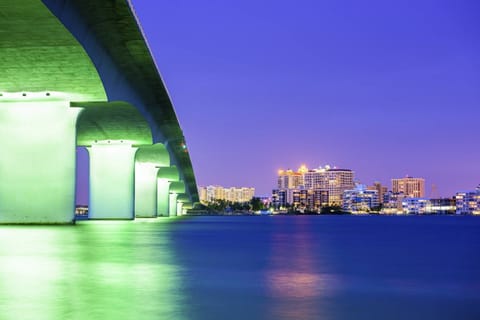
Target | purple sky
(385,88)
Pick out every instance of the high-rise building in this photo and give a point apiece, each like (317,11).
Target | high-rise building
(410,187)
(316,178)
(324,186)
(289,179)
(232,194)
(337,181)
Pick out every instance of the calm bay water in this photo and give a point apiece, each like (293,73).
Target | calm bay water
(282,267)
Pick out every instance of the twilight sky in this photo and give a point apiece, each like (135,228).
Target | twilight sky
(385,88)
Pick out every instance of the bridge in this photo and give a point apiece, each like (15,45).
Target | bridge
(80,73)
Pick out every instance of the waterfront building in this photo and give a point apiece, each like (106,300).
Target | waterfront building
(337,181)
(320,199)
(279,198)
(231,194)
(330,182)
(299,198)
(360,199)
(392,203)
(410,187)
(441,206)
(415,205)
(324,186)
(468,202)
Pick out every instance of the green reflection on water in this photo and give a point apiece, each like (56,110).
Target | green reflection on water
(101,270)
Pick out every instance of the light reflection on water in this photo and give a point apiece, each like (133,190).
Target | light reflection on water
(243,268)
(94,271)
(295,276)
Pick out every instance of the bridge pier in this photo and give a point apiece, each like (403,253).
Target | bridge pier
(37,161)
(176,188)
(179,208)
(182,200)
(186,206)
(172,205)
(148,159)
(145,190)
(111,181)
(112,133)
(165,176)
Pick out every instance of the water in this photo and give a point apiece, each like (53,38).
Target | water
(283,267)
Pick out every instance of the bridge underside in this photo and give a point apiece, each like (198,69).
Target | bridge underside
(79,73)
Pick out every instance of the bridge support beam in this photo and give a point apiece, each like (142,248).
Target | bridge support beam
(37,161)
(111,181)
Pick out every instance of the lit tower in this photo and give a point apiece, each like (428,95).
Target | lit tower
(410,187)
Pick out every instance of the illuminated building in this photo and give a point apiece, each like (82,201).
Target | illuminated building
(311,200)
(410,187)
(392,203)
(468,202)
(299,198)
(360,199)
(242,194)
(202,193)
(323,186)
(338,180)
(415,205)
(441,206)
(399,204)
(232,194)
(279,198)
(288,179)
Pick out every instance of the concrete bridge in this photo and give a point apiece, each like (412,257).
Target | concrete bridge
(79,73)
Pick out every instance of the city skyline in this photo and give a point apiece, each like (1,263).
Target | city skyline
(262,85)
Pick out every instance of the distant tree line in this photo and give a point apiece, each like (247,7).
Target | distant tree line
(218,205)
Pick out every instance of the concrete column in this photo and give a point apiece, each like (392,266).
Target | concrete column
(166,177)
(148,161)
(177,188)
(186,206)
(179,208)
(145,190)
(111,181)
(172,205)
(37,160)
(163,186)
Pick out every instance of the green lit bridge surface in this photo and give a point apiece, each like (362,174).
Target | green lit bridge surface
(80,73)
